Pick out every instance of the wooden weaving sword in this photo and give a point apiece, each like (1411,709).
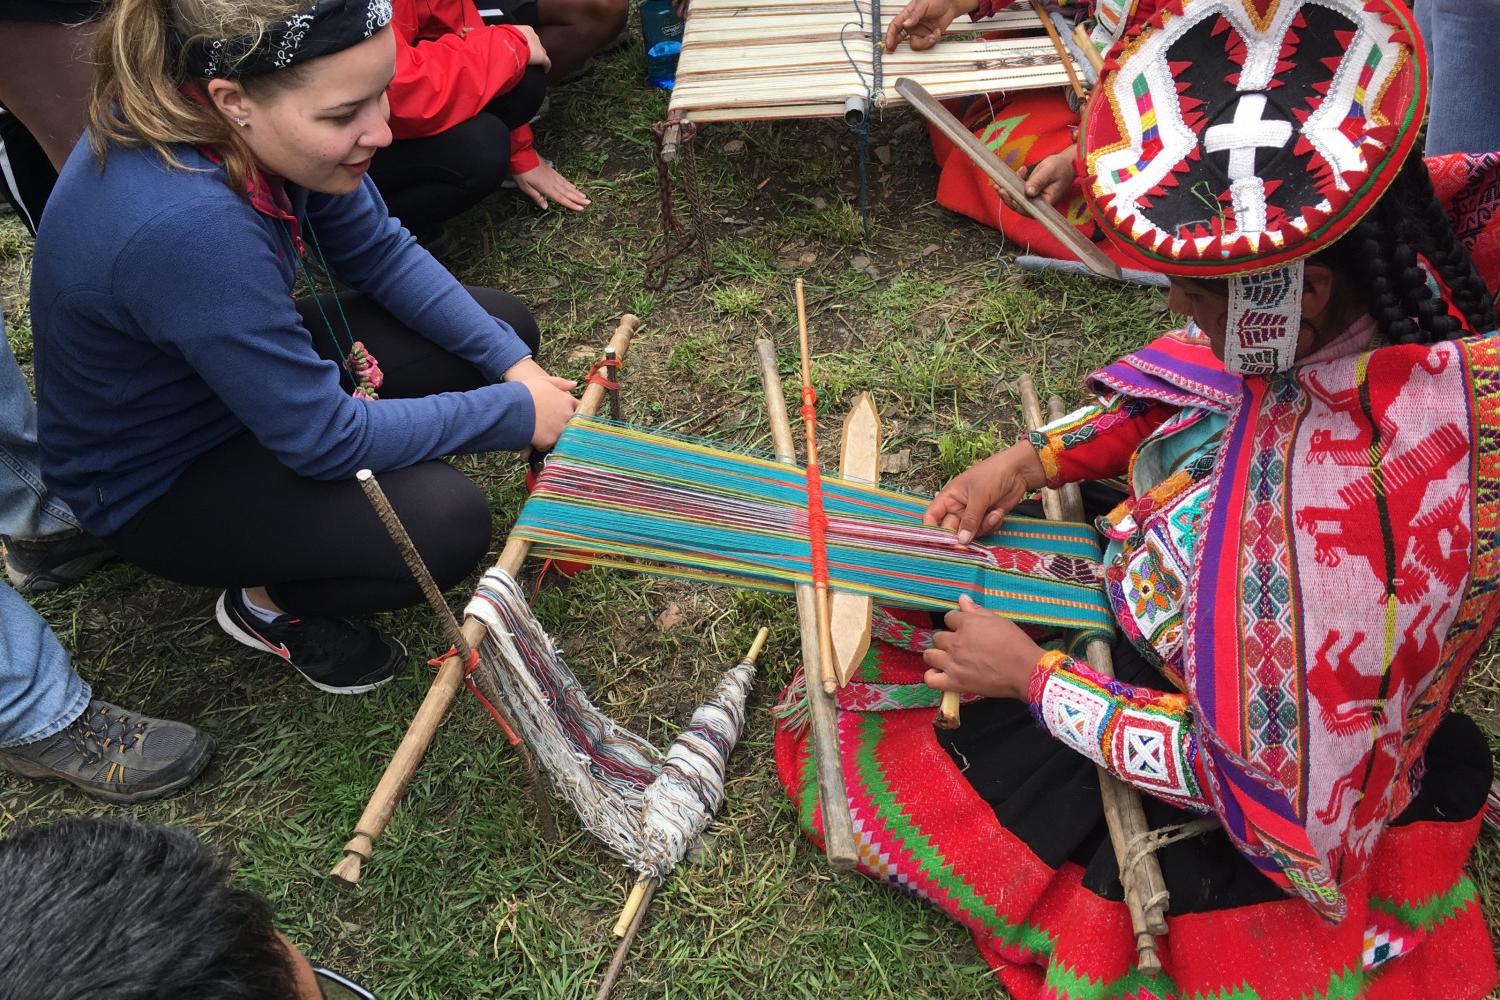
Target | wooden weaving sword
(1007,179)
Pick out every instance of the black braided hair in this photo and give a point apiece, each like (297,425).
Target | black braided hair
(1381,256)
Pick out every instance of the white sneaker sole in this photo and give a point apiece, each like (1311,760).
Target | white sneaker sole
(232,628)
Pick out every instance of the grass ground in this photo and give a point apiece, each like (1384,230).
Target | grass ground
(465,898)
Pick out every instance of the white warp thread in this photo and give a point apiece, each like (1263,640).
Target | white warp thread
(645,806)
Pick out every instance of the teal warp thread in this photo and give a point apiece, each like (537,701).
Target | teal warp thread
(690,509)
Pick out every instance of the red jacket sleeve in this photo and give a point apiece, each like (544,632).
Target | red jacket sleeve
(523,156)
(448,80)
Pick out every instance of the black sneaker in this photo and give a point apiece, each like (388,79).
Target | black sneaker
(334,655)
(116,755)
(54,562)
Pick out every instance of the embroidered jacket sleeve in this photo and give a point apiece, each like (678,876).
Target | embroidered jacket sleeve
(1097,441)
(369,250)
(442,82)
(1143,737)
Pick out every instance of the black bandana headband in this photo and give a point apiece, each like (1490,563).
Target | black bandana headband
(328,26)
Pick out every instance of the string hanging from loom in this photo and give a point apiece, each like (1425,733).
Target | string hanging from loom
(616,495)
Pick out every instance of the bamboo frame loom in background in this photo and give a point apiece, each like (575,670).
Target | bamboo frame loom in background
(747,60)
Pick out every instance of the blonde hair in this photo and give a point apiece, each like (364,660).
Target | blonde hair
(139,96)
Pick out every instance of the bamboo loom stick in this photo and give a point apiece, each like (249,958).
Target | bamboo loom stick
(1140,874)
(423,726)
(815,525)
(838,825)
(1062,49)
(633,913)
(1086,45)
(1007,180)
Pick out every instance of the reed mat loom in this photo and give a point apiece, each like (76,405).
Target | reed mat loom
(748,60)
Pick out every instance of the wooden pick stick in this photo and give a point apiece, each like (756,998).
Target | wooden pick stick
(1006,179)
(450,676)
(1062,50)
(838,825)
(1086,45)
(815,523)
(642,892)
(1145,891)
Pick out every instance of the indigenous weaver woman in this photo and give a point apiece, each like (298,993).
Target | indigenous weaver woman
(198,418)
(1302,571)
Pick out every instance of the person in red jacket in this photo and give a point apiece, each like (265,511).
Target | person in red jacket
(460,106)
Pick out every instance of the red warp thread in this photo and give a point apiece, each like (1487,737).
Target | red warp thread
(470,666)
(594,376)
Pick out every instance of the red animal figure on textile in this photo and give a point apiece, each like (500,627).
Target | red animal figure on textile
(1403,484)
(1350,701)
(1355,451)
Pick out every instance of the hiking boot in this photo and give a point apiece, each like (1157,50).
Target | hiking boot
(334,655)
(116,755)
(54,562)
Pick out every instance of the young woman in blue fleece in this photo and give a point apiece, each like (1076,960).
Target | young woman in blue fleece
(198,417)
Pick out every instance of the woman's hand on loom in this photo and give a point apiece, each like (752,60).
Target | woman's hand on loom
(552,399)
(538,55)
(543,182)
(977,500)
(981,653)
(1050,180)
(922,22)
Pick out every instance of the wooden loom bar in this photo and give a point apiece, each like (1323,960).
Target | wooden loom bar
(816,524)
(838,824)
(1062,49)
(1007,180)
(1140,875)
(419,733)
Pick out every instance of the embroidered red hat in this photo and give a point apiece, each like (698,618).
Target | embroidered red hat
(1230,137)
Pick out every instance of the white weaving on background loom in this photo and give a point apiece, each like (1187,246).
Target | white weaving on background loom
(753,59)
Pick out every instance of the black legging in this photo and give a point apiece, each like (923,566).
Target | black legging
(427,181)
(239,518)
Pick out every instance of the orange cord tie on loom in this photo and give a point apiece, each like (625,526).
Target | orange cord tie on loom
(598,379)
(471,665)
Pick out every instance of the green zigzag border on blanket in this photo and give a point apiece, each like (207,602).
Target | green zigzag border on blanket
(918,849)
(1426,914)
(1064,984)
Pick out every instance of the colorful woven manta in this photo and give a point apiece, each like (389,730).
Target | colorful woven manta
(617,495)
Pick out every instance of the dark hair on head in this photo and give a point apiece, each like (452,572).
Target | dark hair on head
(1379,257)
(116,910)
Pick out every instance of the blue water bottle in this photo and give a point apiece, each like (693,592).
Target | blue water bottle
(661,29)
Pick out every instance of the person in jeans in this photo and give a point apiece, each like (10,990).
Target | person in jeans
(115,908)
(1465,91)
(44,87)
(51,725)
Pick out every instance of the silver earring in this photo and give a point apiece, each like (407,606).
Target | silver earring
(242,122)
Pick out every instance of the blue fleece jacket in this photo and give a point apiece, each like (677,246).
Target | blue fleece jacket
(164,325)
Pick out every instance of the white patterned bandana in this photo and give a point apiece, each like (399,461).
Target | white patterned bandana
(328,26)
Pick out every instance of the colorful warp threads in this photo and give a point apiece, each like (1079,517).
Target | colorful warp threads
(616,495)
(645,806)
